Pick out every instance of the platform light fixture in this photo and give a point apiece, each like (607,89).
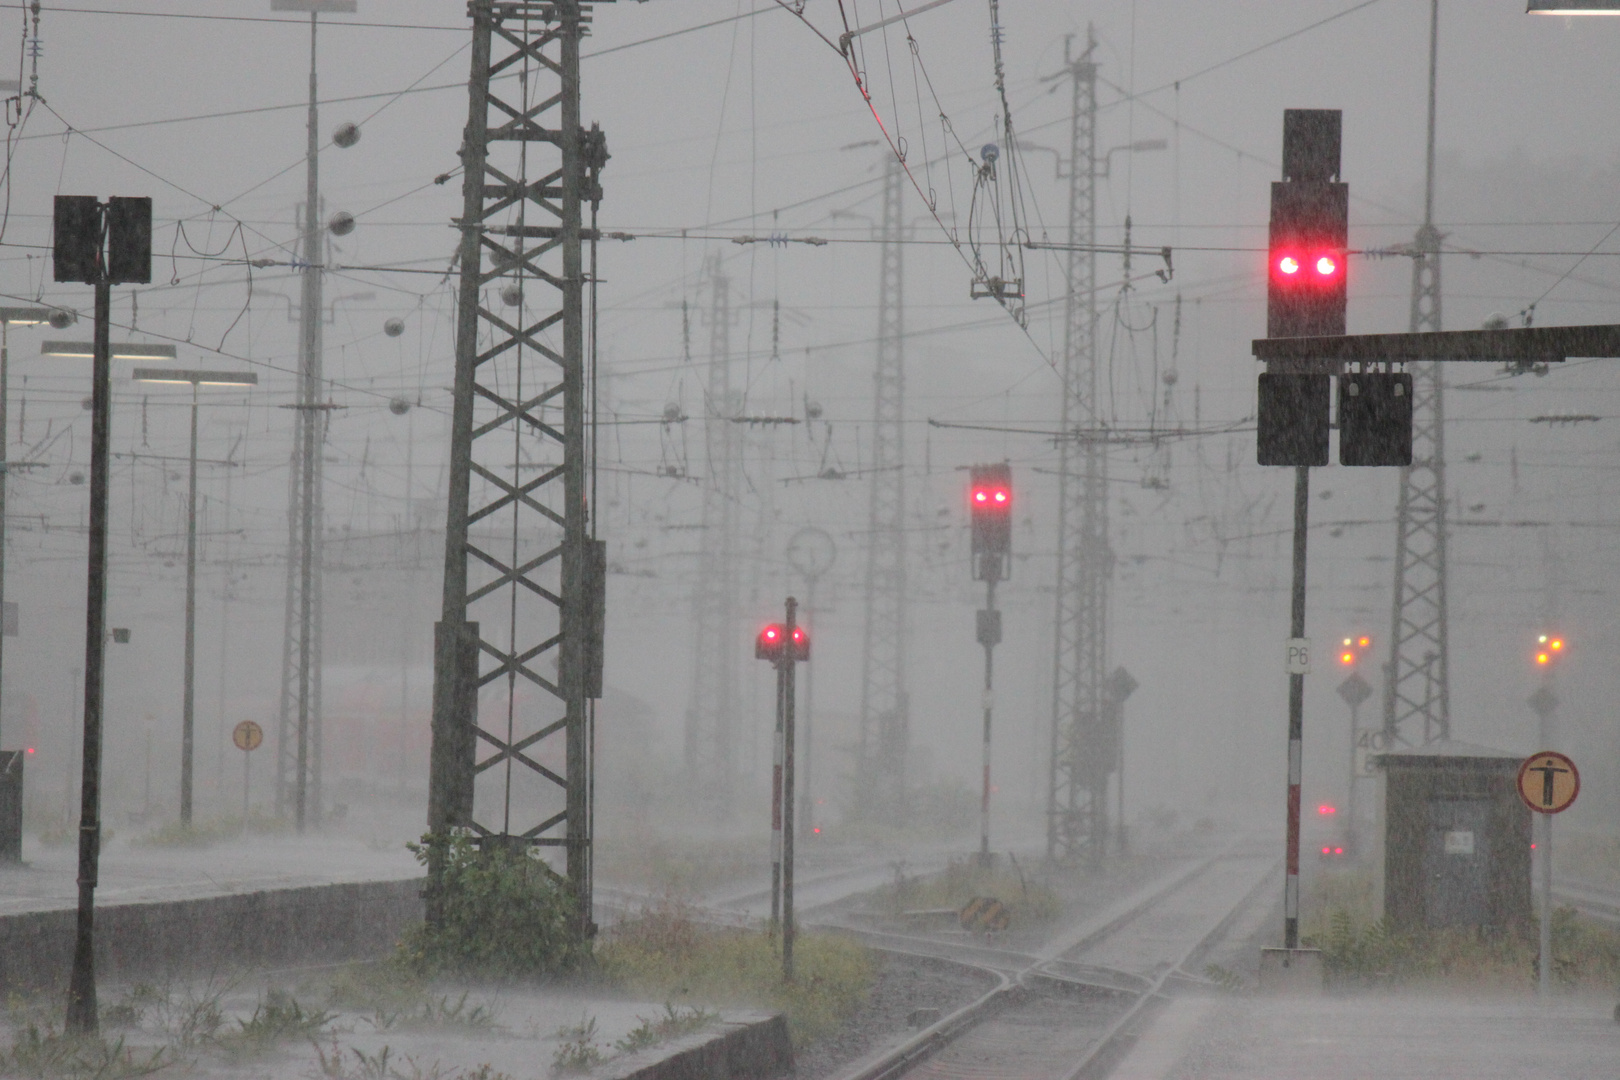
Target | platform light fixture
(121,350)
(1593,7)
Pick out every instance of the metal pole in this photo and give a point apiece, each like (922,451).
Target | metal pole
(189,699)
(247,779)
(1119,779)
(5,358)
(1350,800)
(575,618)
(81,1004)
(808,802)
(789,668)
(309,335)
(1544,964)
(778,747)
(1296,711)
(989,670)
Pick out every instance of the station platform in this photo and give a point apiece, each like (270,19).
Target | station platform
(1393,1036)
(130,874)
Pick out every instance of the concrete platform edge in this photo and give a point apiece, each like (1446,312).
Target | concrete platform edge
(750,1046)
(264,929)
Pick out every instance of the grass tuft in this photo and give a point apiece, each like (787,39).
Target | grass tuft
(665,954)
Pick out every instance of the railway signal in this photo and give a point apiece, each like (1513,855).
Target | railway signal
(1307,291)
(990,508)
(786,646)
(990,498)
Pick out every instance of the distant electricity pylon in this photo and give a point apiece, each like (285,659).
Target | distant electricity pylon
(712,728)
(885,725)
(1417,688)
(518,651)
(298,720)
(1081,755)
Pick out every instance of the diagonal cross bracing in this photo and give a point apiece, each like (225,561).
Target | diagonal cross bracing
(520,603)
(1417,680)
(712,724)
(884,729)
(1082,757)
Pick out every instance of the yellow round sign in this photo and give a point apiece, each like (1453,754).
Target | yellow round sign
(247,735)
(1548,782)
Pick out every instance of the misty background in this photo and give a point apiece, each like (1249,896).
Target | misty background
(753,127)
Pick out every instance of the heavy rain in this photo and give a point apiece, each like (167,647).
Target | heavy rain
(851,539)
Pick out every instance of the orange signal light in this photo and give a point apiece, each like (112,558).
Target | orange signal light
(1347,658)
(1542,658)
(1557,645)
(1364,642)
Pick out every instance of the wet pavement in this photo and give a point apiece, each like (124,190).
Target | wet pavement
(46,880)
(1396,1036)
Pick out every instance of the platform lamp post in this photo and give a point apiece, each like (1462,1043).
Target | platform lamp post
(102,245)
(195,379)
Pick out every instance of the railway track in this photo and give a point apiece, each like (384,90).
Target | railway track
(1598,901)
(1070,1010)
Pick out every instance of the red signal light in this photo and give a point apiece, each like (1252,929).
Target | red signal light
(1326,808)
(772,642)
(981,496)
(1338,851)
(1327,265)
(1288,265)
(997,498)
(1326,851)
(30,750)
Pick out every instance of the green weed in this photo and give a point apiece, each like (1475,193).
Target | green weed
(672,1025)
(503,914)
(48,1054)
(665,954)
(577,1049)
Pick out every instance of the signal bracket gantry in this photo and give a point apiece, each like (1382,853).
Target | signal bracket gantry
(519,548)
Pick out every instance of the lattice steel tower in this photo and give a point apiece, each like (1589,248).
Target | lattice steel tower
(517,653)
(298,719)
(712,729)
(1082,754)
(1417,692)
(885,724)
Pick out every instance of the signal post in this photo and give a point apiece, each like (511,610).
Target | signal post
(785,645)
(990,508)
(1307,349)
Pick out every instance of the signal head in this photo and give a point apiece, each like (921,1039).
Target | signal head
(768,645)
(990,505)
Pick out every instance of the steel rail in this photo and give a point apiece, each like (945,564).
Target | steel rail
(1017,970)
(1106,1051)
